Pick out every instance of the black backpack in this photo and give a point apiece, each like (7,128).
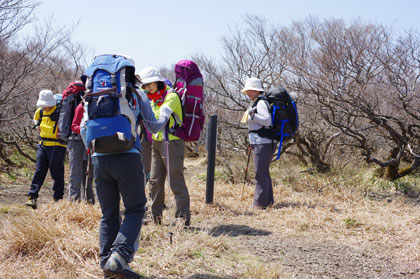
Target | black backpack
(284,116)
(71,97)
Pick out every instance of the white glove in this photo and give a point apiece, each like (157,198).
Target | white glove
(165,112)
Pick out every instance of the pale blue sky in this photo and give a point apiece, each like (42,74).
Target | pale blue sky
(159,33)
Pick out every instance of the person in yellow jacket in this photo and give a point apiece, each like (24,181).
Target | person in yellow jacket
(166,104)
(51,150)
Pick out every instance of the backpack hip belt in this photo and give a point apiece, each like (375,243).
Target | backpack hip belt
(53,140)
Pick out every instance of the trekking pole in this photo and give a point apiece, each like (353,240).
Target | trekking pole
(246,171)
(88,174)
(168,175)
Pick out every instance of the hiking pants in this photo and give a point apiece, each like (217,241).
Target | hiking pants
(49,157)
(78,164)
(158,176)
(146,155)
(115,175)
(263,154)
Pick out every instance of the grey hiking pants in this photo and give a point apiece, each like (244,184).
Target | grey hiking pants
(158,176)
(78,162)
(263,154)
(146,155)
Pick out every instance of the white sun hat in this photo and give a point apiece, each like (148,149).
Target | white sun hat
(252,84)
(46,99)
(149,75)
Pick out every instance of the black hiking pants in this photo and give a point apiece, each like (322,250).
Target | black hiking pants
(52,158)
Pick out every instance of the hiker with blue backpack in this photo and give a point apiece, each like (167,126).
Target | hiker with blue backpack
(258,116)
(51,150)
(272,119)
(163,100)
(113,108)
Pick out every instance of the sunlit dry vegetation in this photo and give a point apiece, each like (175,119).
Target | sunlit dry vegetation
(350,212)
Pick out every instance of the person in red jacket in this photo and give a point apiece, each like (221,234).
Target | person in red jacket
(87,191)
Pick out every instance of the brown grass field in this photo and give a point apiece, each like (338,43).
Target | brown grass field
(346,224)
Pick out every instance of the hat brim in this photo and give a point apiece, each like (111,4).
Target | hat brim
(42,103)
(150,80)
(243,91)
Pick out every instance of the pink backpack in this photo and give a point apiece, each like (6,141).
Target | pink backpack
(189,86)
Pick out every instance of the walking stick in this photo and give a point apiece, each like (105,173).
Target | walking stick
(168,175)
(246,171)
(88,174)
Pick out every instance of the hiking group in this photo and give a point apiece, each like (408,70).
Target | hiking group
(124,129)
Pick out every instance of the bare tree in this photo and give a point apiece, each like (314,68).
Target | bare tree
(348,75)
(14,15)
(356,85)
(28,65)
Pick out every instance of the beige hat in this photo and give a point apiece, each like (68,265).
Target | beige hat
(149,75)
(46,99)
(252,84)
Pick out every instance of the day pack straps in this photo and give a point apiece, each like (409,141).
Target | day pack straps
(53,140)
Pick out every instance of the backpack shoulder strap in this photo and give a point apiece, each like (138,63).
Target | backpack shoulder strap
(262,98)
(177,120)
(41,112)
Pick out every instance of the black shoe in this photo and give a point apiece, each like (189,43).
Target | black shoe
(118,267)
(109,275)
(157,219)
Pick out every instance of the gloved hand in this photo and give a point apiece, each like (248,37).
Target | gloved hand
(165,112)
(251,113)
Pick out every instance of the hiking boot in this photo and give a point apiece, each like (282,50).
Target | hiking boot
(31,202)
(109,275)
(157,219)
(118,267)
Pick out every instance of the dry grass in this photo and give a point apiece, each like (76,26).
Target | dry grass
(61,240)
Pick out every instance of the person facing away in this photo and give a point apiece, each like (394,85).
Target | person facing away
(51,150)
(164,101)
(78,162)
(258,116)
(122,174)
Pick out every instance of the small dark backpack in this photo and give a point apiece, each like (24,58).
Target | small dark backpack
(284,116)
(71,98)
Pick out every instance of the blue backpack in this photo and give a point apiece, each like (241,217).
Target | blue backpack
(109,121)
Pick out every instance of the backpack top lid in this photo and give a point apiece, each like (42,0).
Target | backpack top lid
(278,92)
(111,63)
(187,70)
(74,87)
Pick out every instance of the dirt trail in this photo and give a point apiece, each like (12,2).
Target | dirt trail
(315,258)
(302,257)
